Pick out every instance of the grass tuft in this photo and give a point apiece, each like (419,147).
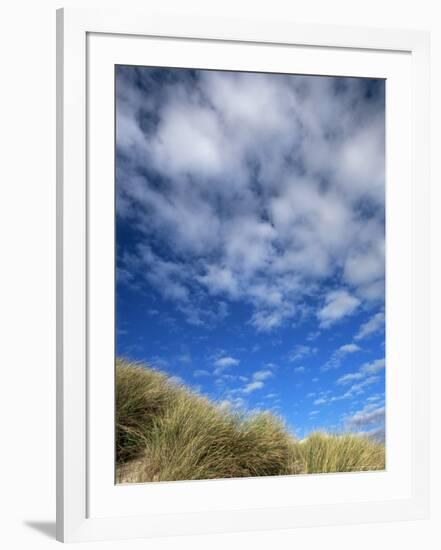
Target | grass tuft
(165,432)
(325,453)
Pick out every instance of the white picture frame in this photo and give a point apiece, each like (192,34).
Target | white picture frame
(88,43)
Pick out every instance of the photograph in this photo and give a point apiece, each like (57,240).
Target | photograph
(250,318)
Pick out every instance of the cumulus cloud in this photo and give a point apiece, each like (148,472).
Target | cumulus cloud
(349,378)
(253,386)
(374,324)
(338,304)
(262,375)
(368,369)
(320,400)
(374,366)
(257,382)
(358,388)
(258,201)
(337,356)
(224,362)
(355,390)
(349,348)
(300,352)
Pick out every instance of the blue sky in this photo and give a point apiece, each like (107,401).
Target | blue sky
(250,239)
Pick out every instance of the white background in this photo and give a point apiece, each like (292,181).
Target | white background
(27,289)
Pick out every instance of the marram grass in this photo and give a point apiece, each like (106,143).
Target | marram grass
(166,432)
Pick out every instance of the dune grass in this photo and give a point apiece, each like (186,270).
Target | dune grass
(165,432)
(325,453)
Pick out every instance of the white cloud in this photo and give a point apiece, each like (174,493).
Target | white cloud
(267,320)
(189,140)
(365,370)
(338,304)
(271,396)
(300,352)
(367,375)
(262,374)
(349,378)
(374,366)
(358,388)
(376,397)
(253,386)
(300,369)
(336,358)
(319,401)
(225,362)
(219,280)
(366,266)
(371,326)
(252,208)
(349,348)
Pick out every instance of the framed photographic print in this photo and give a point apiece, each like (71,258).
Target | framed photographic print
(242,275)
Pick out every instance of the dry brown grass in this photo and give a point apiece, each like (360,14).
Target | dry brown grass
(165,432)
(325,453)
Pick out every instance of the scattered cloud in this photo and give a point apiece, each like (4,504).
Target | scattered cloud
(376,397)
(374,366)
(253,386)
(349,378)
(337,356)
(365,370)
(374,324)
(262,374)
(224,362)
(230,206)
(271,395)
(320,400)
(300,352)
(349,348)
(358,388)
(338,304)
